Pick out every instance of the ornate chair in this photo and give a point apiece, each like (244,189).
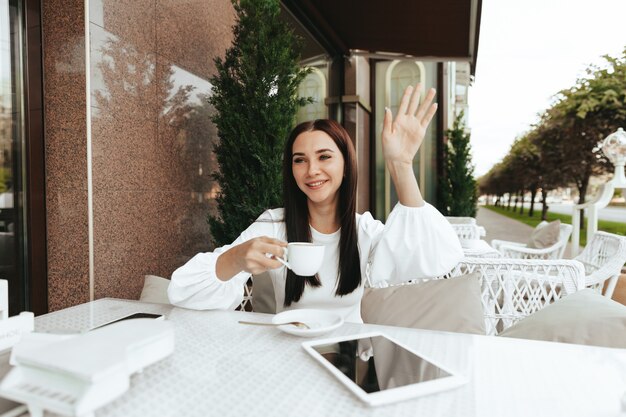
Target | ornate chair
(460,220)
(515,250)
(512,289)
(515,288)
(603,259)
(466,228)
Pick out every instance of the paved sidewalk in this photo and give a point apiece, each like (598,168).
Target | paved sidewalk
(505,228)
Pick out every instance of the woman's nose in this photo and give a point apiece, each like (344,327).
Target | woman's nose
(313,168)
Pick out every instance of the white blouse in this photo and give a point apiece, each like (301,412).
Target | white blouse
(416,242)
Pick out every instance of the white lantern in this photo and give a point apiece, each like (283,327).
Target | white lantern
(614,147)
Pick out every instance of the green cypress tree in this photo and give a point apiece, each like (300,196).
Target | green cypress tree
(255,98)
(459,188)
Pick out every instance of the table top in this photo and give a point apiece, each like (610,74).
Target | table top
(223,368)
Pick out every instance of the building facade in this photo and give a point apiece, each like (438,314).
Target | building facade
(106,143)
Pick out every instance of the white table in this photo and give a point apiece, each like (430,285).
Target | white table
(222,368)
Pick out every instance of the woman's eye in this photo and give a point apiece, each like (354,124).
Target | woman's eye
(298,160)
(324,157)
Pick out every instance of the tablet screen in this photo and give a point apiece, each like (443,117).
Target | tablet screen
(377,363)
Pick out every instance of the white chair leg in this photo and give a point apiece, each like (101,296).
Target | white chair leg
(612,282)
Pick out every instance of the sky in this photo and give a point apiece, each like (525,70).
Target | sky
(527,52)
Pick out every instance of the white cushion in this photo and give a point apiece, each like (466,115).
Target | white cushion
(155,290)
(585,318)
(452,305)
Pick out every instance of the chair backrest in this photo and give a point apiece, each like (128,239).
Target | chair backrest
(246,301)
(460,220)
(603,259)
(564,233)
(512,289)
(466,231)
(555,251)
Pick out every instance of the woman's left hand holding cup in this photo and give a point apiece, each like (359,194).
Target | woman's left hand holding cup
(254,256)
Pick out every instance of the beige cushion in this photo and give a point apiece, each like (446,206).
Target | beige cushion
(155,290)
(585,318)
(445,304)
(545,235)
(263,298)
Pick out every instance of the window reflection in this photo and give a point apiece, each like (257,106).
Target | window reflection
(314,86)
(155,117)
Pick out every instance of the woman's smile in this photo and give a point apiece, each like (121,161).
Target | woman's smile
(316,185)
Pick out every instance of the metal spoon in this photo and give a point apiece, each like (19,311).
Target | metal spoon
(294,323)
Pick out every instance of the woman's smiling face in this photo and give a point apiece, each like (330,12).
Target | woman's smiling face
(318,166)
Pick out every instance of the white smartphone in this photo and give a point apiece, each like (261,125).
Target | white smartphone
(380,370)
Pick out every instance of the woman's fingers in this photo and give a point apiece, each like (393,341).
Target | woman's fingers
(425,106)
(415,100)
(404,103)
(259,254)
(259,261)
(275,249)
(387,121)
(273,241)
(429,115)
(272,249)
(268,263)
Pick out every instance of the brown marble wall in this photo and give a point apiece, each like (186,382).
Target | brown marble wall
(152,137)
(150,61)
(66,149)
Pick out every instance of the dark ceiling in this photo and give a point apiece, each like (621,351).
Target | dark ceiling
(446,29)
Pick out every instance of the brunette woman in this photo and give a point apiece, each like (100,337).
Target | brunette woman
(319,195)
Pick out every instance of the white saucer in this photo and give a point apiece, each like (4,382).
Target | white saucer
(319,321)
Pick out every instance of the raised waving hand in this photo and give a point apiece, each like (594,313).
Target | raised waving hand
(403,135)
(402,138)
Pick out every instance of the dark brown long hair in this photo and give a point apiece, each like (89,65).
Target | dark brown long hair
(297,212)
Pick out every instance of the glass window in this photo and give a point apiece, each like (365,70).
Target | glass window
(392,77)
(314,86)
(11,150)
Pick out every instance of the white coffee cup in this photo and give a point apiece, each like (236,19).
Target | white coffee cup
(303,258)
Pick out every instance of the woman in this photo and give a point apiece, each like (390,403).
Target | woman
(319,191)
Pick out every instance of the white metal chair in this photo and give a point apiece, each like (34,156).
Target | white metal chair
(466,227)
(512,289)
(603,259)
(460,220)
(468,231)
(515,288)
(516,250)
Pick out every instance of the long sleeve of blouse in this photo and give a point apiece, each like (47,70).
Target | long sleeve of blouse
(195,285)
(414,243)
